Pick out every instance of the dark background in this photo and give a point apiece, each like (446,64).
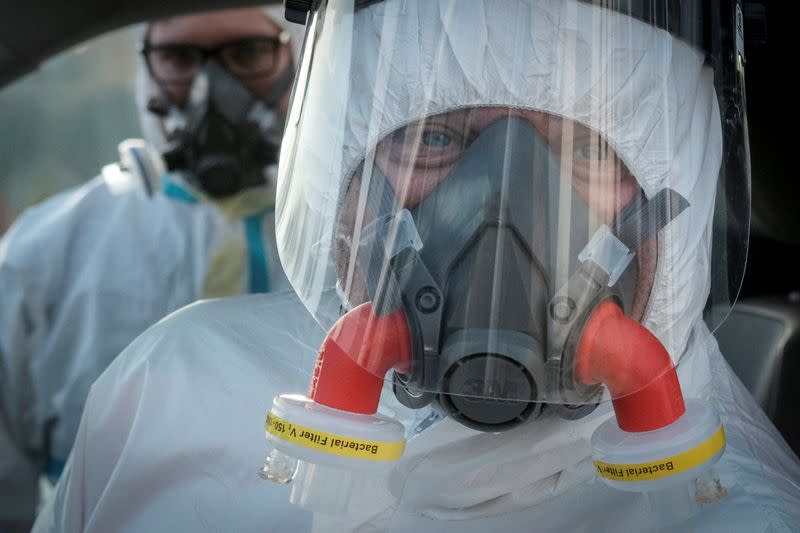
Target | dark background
(772,105)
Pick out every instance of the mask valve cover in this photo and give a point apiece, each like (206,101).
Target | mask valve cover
(495,390)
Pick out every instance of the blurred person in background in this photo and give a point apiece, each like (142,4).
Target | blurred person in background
(186,214)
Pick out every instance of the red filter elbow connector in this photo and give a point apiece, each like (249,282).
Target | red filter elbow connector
(623,355)
(355,356)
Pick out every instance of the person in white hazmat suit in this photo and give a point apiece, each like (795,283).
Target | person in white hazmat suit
(467,192)
(188,216)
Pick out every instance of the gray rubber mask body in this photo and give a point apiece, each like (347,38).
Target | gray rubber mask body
(477,291)
(224,137)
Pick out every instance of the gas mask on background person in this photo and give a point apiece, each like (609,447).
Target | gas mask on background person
(222,136)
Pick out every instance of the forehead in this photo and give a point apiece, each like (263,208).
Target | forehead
(478,118)
(212,27)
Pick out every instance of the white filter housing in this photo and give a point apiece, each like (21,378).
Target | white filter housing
(663,458)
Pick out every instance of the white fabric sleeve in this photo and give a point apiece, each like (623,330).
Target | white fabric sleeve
(18,469)
(92,462)
(64,512)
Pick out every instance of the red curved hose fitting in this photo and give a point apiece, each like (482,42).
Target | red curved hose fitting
(623,355)
(356,354)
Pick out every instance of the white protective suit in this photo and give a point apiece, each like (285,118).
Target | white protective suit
(84,273)
(172,438)
(143,462)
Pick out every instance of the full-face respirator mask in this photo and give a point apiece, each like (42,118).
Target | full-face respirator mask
(223,138)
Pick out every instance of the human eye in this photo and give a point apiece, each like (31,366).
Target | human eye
(179,57)
(423,145)
(436,140)
(593,157)
(251,56)
(244,52)
(174,63)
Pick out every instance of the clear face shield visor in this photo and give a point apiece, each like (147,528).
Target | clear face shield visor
(496,174)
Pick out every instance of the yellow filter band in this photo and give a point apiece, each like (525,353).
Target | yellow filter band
(333,444)
(664,467)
